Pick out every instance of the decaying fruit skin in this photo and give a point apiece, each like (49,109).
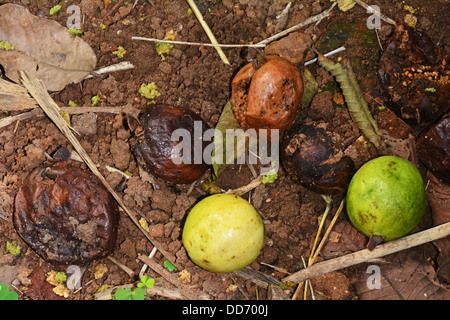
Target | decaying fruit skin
(157,150)
(267,97)
(414,78)
(309,156)
(66,215)
(433,148)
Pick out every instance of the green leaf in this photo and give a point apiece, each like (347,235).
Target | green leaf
(138,294)
(5,45)
(55,9)
(169,266)
(270,177)
(5,294)
(75,32)
(12,248)
(123,294)
(150,283)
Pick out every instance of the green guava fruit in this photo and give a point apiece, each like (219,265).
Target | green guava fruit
(386,198)
(223,233)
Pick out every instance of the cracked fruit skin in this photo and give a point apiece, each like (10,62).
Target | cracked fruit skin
(386,197)
(223,233)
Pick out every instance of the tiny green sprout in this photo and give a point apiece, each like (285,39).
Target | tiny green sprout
(149,91)
(270,177)
(103,26)
(120,52)
(55,9)
(75,32)
(169,266)
(136,294)
(189,12)
(95,100)
(60,277)
(5,45)
(12,248)
(430,90)
(72,104)
(5,294)
(146,282)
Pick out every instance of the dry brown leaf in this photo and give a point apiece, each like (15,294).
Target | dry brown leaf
(407,276)
(343,239)
(43,48)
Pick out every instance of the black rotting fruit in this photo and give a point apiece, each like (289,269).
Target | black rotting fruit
(433,148)
(163,155)
(310,156)
(66,215)
(414,77)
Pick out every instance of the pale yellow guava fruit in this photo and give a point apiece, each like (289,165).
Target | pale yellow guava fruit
(223,233)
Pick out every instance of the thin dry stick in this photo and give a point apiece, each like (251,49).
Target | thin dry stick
(218,45)
(122,266)
(184,289)
(208,31)
(252,185)
(42,97)
(308,21)
(71,110)
(328,201)
(311,261)
(365,255)
(313,250)
(261,44)
(370,9)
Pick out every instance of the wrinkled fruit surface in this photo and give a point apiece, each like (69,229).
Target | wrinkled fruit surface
(66,215)
(267,97)
(162,156)
(310,157)
(386,197)
(223,233)
(433,148)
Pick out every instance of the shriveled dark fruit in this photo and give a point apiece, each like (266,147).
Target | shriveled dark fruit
(433,148)
(159,153)
(309,156)
(66,215)
(267,97)
(414,77)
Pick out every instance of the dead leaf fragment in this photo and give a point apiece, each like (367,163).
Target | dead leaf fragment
(43,48)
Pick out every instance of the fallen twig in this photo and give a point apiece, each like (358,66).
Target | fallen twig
(121,66)
(365,255)
(128,271)
(261,44)
(217,45)
(315,251)
(184,289)
(371,10)
(208,31)
(252,185)
(308,21)
(71,110)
